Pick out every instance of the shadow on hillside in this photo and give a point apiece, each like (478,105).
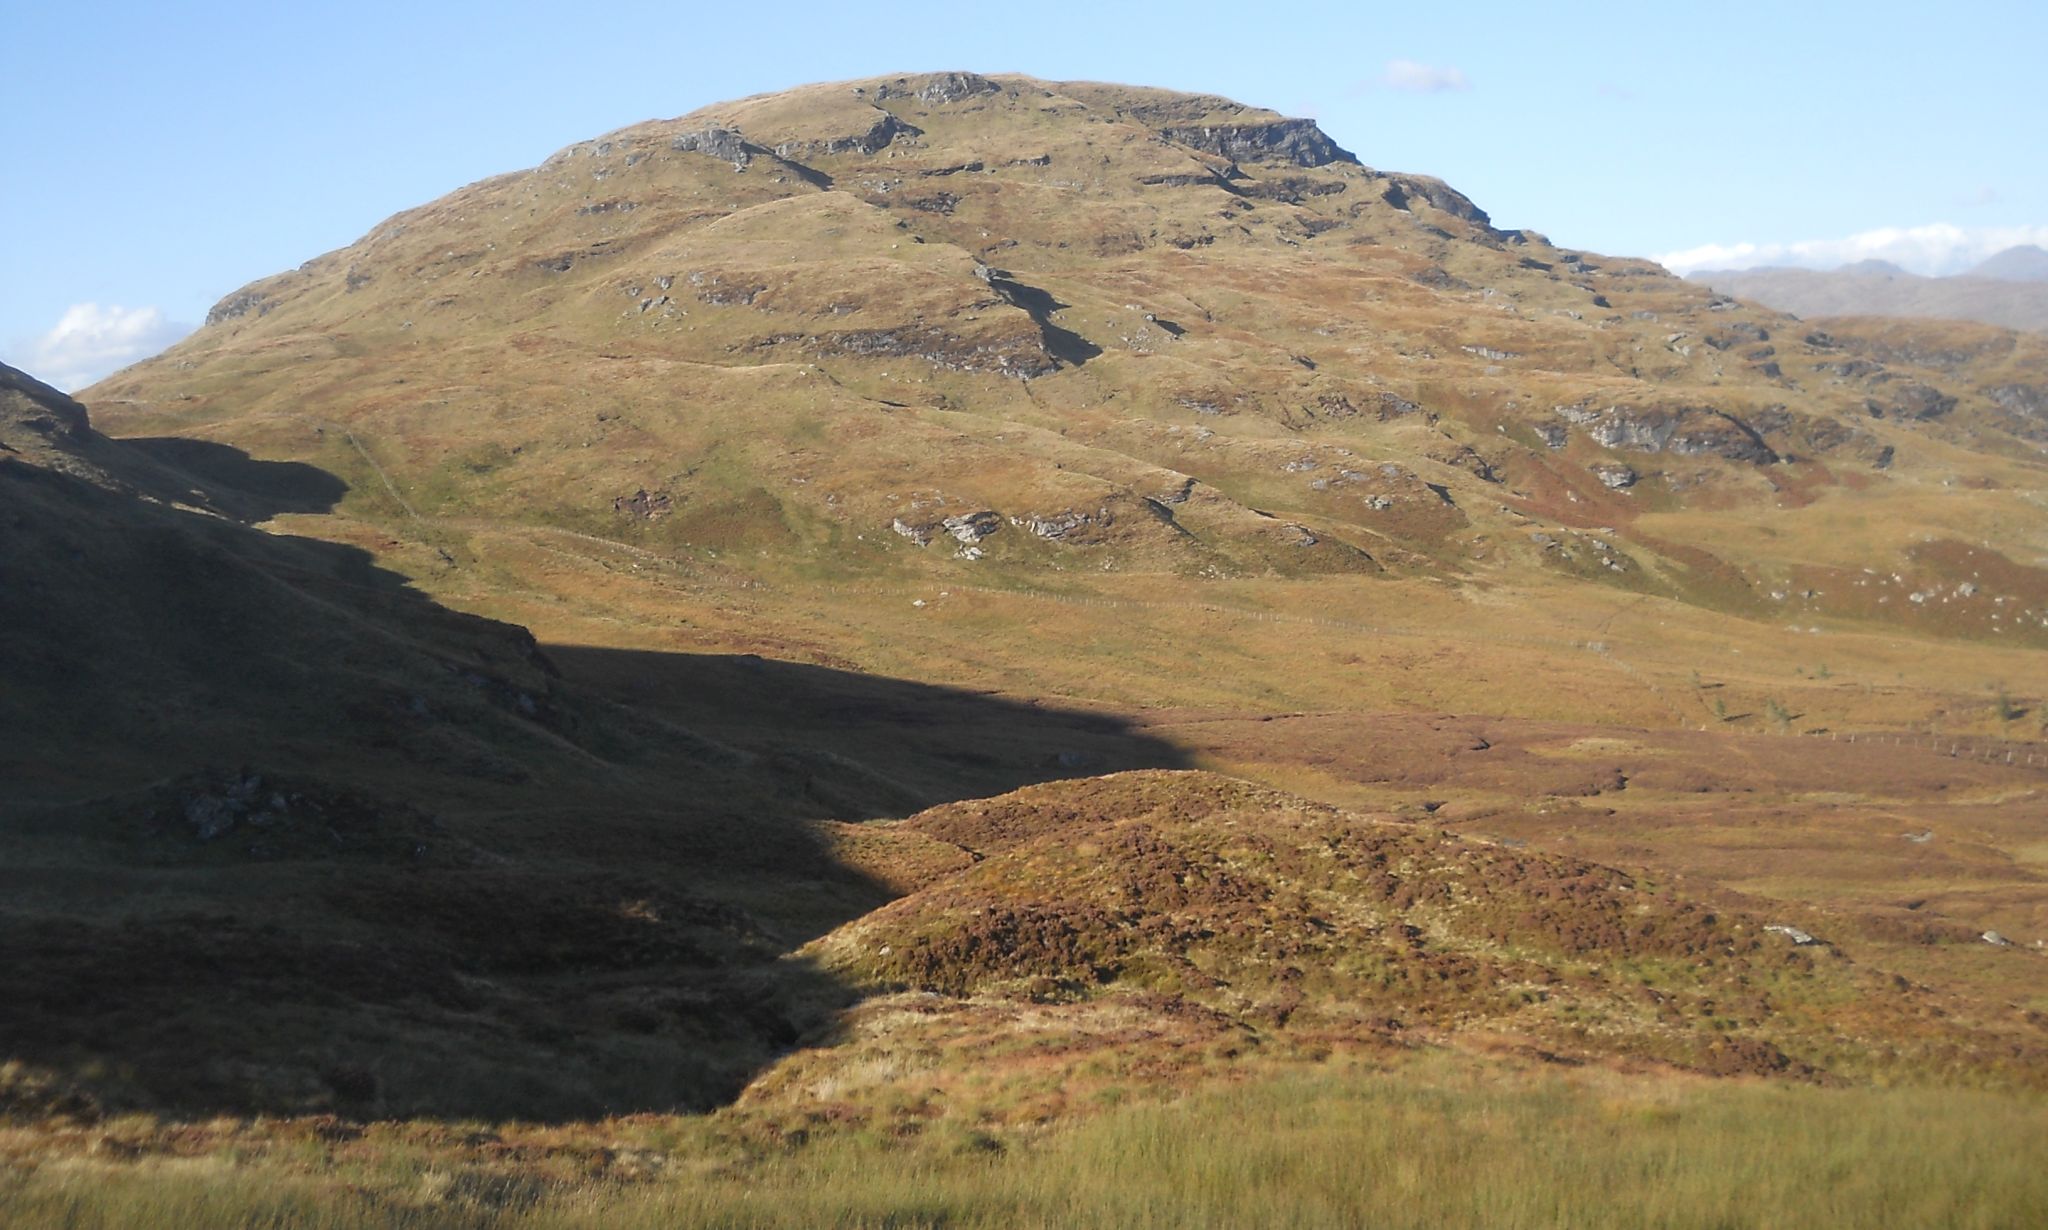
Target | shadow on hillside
(908,745)
(1061,343)
(328,847)
(234,484)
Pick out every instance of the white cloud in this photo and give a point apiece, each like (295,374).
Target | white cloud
(1419,78)
(93,341)
(1934,250)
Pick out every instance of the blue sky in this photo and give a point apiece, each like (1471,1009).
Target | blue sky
(160,155)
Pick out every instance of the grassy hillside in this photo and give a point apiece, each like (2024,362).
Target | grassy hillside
(968,650)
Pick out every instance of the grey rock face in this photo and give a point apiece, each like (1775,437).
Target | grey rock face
(942,88)
(938,89)
(719,142)
(971,528)
(1403,190)
(1615,477)
(1296,141)
(1022,357)
(1058,525)
(239,304)
(1737,335)
(2028,399)
(1909,400)
(1684,430)
(882,134)
(919,534)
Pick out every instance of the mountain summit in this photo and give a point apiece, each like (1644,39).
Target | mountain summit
(2025,263)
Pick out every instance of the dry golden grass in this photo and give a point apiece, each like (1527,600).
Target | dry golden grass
(1436,1144)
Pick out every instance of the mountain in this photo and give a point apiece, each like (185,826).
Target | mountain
(1873,268)
(2006,289)
(1024,580)
(2025,263)
(967,326)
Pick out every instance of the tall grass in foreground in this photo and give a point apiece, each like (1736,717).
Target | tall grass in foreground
(1329,1150)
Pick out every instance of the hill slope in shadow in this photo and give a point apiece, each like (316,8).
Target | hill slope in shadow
(282,834)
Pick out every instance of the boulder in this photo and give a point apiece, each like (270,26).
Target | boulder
(971,528)
(1615,477)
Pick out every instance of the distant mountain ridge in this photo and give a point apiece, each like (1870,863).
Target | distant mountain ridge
(2025,263)
(2008,289)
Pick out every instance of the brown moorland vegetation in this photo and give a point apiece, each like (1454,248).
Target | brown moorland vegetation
(669,680)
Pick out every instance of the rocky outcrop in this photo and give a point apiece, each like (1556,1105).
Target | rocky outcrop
(1057,526)
(1288,189)
(968,529)
(1907,399)
(2025,406)
(1402,190)
(879,136)
(1020,355)
(1817,434)
(1741,334)
(938,89)
(1466,458)
(240,304)
(1942,352)
(1293,141)
(2030,400)
(921,534)
(26,402)
(1615,477)
(645,505)
(1794,934)
(1684,430)
(971,528)
(719,142)
(266,818)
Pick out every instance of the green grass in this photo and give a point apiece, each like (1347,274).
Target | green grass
(1431,1146)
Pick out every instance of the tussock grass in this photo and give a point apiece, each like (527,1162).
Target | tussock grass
(1422,1147)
